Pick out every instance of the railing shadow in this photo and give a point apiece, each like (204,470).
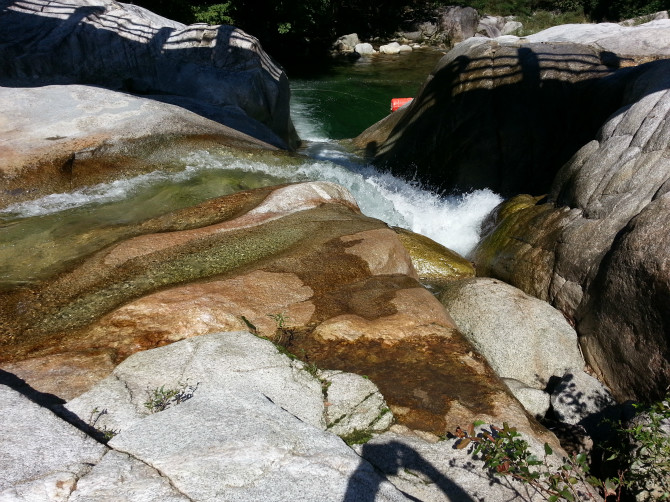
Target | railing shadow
(506,120)
(206,69)
(393,457)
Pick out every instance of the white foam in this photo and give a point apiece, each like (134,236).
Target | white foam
(452,221)
(96,194)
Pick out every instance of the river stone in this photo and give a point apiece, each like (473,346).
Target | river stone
(456,24)
(522,337)
(434,263)
(246,427)
(641,42)
(579,396)
(353,403)
(392,48)
(120,477)
(364,48)
(561,249)
(57,138)
(127,48)
(41,456)
(535,401)
(496,142)
(347,43)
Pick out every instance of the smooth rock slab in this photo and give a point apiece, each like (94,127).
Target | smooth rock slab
(121,478)
(354,403)
(41,456)
(579,396)
(522,337)
(251,428)
(206,364)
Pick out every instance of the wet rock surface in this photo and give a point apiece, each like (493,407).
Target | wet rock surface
(58,138)
(297,263)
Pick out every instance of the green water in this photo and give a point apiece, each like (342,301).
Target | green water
(352,96)
(44,237)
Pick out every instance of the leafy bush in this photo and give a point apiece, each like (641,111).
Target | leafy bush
(219,13)
(505,454)
(643,447)
(639,454)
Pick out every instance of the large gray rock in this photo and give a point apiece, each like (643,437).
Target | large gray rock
(579,396)
(651,39)
(56,138)
(128,48)
(507,113)
(251,426)
(499,114)
(597,249)
(122,478)
(437,471)
(521,337)
(207,362)
(42,457)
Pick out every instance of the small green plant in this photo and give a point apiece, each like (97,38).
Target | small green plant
(643,447)
(357,437)
(505,453)
(161,398)
(283,333)
(104,433)
(280,319)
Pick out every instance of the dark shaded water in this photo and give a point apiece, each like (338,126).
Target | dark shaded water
(352,96)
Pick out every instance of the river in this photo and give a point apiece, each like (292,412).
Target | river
(38,238)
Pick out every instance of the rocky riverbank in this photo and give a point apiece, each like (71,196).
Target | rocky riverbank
(227,350)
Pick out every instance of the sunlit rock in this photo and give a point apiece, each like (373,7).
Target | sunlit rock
(246,421)
(434,263)
(535,401)
(57,138)
(219,70)
(298,264)
(522,337)
(41,455)
(596,248)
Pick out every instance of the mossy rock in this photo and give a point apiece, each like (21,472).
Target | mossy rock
(434,263)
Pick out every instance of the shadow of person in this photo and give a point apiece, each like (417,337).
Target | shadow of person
(394,457)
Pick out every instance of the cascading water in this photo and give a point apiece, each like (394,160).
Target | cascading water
(40,237)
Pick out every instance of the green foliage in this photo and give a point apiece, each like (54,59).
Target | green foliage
(618,10)
(357,437)
(505,454)
(162,398)
(644,449)
(281,319)
(639,452)
(219,13)
(542,19)
(104,433)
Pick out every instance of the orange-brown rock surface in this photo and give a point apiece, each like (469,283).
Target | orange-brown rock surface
(297,263)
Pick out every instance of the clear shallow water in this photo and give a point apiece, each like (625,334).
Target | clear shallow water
(38,238)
